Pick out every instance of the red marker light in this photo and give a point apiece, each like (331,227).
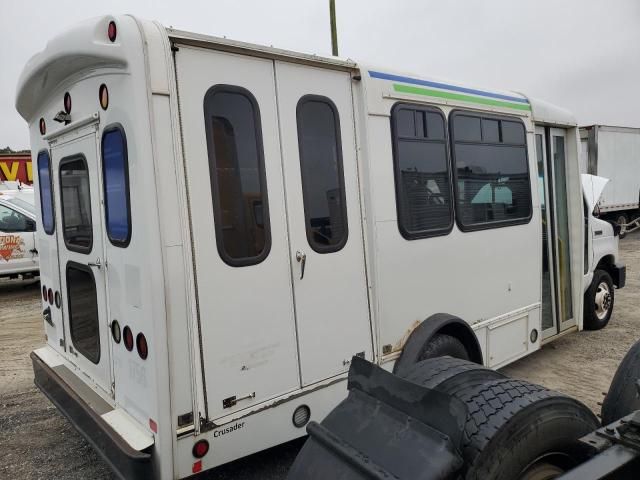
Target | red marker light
(67,102)
(153,426)
(50,296)
(141,344)
(128,338)
(43,127)
(103,96)
(112,31)
(200,449)
(44,293)
(197,467)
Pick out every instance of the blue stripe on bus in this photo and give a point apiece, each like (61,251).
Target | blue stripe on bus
(426,83)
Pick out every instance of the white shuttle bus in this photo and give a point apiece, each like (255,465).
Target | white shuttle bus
(223,226)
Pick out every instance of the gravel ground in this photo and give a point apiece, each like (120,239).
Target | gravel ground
(37,442)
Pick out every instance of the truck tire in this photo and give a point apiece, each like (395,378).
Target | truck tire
(518,430)
(598,301)
(622,219)
(622,398)
(441,345)
(449,375)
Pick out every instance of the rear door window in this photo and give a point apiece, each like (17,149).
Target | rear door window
(115,169)
(83,311)
(76,204)
(46,194)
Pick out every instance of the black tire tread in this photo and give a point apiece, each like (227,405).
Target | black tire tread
(622,397)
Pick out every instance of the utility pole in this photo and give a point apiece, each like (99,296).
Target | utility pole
(334,30)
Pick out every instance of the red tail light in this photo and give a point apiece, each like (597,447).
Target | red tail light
(128,338)
(112,31)
(67,102)
(43,126)
(44,293)
(200,449)
(141,344)
(50,296)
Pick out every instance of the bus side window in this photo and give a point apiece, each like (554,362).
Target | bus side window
(46,194)
(492,171)
(115,173)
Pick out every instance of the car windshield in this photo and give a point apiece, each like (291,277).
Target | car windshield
(24,205)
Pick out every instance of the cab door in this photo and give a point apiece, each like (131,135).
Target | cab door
(76,175)
(17,242)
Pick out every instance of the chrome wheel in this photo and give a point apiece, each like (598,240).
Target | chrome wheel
(603,300)
(542,471)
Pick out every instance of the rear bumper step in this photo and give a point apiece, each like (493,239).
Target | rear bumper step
(125,461)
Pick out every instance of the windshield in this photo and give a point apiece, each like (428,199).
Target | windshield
(24,205)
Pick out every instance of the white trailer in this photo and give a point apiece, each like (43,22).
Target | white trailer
(223,226)
(614,153)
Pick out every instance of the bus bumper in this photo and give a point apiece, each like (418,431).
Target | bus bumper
(619,275)
(85,412)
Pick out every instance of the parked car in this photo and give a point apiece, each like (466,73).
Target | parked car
(18,253)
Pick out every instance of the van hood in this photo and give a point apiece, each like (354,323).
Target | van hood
(592,187)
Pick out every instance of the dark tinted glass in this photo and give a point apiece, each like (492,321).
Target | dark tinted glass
(422,177)
(322,176)
(13,222)
(116,186)
(236,165)
(490,130)
(46,196)
(492,179)
(467,128)
(83,312)
(513,132)
(76,204)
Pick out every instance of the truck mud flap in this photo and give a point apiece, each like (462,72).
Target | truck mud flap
(386,428)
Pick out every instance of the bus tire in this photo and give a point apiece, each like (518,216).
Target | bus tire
(441,345)
(598,301)
(516,430)
(449,375)
(622,398)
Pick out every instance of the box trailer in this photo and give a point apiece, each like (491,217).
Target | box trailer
(614,153)
(224,226)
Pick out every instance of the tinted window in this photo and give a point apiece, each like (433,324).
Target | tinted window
(76,204)
(46,196)
(13,222)
(322,176)
(236,166)
(115,166)
(492,177)
(83,311)
(422,172)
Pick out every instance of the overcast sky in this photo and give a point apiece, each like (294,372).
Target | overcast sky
(583,55)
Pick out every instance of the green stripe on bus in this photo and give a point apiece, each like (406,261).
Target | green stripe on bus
(458,96)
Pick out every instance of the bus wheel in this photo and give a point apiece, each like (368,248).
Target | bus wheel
(622,398)
(441,345)
(598,301)
(448,374)
(518,430)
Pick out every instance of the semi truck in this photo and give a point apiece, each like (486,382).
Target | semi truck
(614,153)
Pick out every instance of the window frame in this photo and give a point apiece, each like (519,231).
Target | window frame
(322,249)
(214,185)
(51,195)
(117,127)
(434,232)
(485,115)
(83,268)
(71,247)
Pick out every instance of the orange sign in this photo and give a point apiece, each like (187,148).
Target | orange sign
(11,247)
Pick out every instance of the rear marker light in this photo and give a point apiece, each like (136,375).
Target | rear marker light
(128,338)
(115,331)
(141,344)
(112,31)
(50,296)
(44,293)
(153,426)
(197,466)
(43,127)
(103,95)
(58,300)
(200,449)
(67,102)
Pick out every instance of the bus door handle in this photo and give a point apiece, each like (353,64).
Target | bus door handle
(97,263)
(301,257)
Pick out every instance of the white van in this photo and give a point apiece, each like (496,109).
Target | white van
(225,225)
(18,253)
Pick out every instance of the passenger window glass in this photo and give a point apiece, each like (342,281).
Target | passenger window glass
(322,176)
(490,131)
(83,311)
(115,166)
(468,129)
(422,176)
(236,166)
(513,132)
(46,195)
(14,222)
(76,204)
(493,186)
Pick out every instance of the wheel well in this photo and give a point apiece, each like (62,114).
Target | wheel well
(439,323)
(606,263)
